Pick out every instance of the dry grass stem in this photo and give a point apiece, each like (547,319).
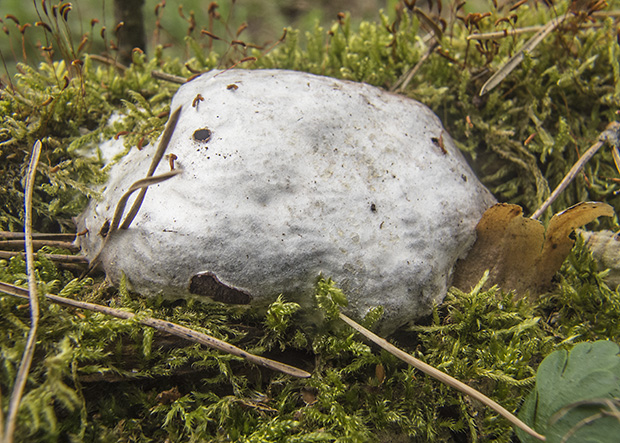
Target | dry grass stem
(166,326)
(514,61)
(38,235)
(24,367)
(168,77)
(75,259)
(120,208)
(161,149)
(402,83)
(142,185)
(441,376)
(611,134)
(108,61)
(505,33)
(528,29)
(19,244)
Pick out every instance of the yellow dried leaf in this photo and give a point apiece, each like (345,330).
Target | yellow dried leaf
(380,373)
(518,253)
(558,243)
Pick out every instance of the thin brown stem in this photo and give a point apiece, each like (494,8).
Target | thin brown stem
(402,83)
(26,362)
(168,77)
(38,235)
(611,134)
(441,376)
(37,244)
(161,149)
(516,59)
(120,209)
(166,326)
(62,258)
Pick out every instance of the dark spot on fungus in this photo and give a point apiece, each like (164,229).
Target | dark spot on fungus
(464,177)
(232,87)
(373,207)
(202,135)
(209,285)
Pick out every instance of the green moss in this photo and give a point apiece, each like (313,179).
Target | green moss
(102,379)
(93,370)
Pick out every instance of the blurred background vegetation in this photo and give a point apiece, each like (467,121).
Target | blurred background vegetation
(167,23)
(265,20)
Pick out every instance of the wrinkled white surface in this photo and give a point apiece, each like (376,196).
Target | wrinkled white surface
(302,175)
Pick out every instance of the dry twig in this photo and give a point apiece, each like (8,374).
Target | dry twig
(19,244)
(108,61)
(61,258)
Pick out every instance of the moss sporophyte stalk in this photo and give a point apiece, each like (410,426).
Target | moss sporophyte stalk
(100,378)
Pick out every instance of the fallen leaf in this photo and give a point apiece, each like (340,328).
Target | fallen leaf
(168,397)
(309,395)
(380,373)
(517,251)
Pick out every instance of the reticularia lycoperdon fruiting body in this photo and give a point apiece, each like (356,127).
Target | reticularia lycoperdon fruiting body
(287,176)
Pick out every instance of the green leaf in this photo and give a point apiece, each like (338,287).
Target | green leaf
(573,400)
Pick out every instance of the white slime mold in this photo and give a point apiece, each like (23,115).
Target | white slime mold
(286,176)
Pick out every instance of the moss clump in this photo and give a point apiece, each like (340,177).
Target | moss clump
(93,371)
(103,379)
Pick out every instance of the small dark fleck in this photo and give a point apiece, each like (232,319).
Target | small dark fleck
(373,207)
(464,177)
(232,87)
(202,135)
(438,141)
(199,98)
(209,285)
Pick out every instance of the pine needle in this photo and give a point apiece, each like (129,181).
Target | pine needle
(516,59)
(166,326)
(611,135)
(441,376)
(24,367)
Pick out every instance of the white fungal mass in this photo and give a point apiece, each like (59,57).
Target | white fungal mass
(289,176)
